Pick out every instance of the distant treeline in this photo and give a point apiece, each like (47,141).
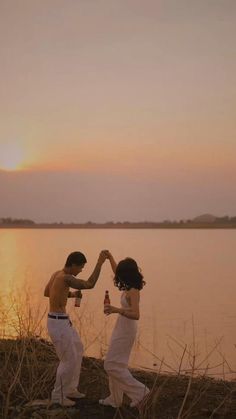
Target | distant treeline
(198,222)
(18,221)
(218,220)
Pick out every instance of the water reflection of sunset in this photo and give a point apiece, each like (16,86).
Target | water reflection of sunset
(184,271)
(20,280)
(10,260)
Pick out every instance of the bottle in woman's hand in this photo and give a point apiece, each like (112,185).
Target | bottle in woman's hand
(106,299)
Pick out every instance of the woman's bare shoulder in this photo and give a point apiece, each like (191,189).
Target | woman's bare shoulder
(133,292)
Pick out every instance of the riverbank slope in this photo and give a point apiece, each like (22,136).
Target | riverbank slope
(28,371)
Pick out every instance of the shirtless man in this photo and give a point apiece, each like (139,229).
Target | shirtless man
(64,336)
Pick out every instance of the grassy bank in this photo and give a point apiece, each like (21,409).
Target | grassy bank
(27,372)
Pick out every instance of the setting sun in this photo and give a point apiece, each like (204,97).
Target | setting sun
(11,157)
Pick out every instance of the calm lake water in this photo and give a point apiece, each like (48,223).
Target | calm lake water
(189,297)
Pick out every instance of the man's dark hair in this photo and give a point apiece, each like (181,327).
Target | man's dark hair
(75,258)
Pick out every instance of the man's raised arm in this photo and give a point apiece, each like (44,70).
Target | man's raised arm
(81,284)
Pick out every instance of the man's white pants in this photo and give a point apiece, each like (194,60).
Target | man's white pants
(116,365)
(69,349)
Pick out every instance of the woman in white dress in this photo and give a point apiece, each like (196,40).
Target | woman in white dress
(128,279)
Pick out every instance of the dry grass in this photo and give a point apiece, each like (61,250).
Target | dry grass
(28,364)
(28,369)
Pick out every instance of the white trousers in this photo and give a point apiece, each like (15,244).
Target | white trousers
(116,365)
(69,349)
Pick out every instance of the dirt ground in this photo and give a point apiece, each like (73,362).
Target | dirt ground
(27,373)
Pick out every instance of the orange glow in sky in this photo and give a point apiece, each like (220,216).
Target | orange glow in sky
(135,100)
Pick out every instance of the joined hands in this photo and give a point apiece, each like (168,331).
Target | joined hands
(104,254)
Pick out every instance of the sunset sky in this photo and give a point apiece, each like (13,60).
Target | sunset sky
(117,110)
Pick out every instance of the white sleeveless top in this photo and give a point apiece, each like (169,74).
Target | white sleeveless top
(123,323)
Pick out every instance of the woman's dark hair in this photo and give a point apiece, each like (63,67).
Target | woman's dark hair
(75,258)
(128,275)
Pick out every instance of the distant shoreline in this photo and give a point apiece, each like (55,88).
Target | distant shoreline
(118,226)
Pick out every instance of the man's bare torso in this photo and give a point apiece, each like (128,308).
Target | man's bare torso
(57,290)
